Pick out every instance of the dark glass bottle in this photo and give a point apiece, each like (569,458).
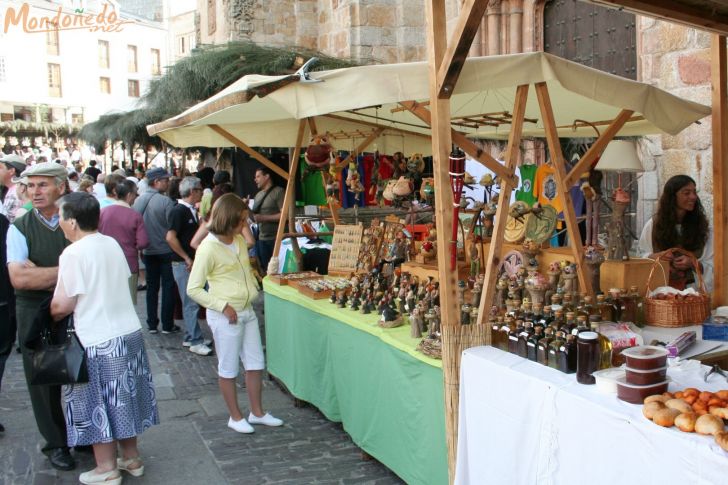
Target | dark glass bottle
(547,317)
(587,307)
(615,295)
(568,305)
(638,304)
(606,310)
(513,336)
(556,302)
(555,349)
(523,339)
(571,321)
(542,350)
(505,328)
(567,355)
(532,344)
(581,325)
(559,322)
(495,333)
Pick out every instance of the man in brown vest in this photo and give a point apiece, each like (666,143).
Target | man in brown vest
(34,243)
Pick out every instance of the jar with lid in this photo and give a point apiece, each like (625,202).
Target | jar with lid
(587,357)
(532,344)
(555,349)
(542,349)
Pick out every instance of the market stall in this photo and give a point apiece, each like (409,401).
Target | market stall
(535,95)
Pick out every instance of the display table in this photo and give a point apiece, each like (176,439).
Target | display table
(388,396)
(523,423)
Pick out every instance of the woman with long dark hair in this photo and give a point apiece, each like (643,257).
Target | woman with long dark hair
(680,222)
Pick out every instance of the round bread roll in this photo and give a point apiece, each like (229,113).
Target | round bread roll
(680,405)
(665,417)
(721,437)
(708,424)
(722,394)
(722,413)
(651,408)
(656,397)
(686,422)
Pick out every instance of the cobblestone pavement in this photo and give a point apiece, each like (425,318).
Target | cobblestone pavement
(193,445)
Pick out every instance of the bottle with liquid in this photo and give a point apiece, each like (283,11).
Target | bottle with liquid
(556,302)
(606,310)
(547,317)
(555,349)
(638,304)
(605,348)
(523,339)
(496,337)
(568,305)
(567,356)
(532,344)
(587,307)
(513,336)
(542,349)
(581,325)
(587,357)
(615,295)
(506,327)
(571,321)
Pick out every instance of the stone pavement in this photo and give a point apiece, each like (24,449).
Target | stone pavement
(193,445)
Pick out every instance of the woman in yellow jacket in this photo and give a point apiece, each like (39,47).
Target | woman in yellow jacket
(222,262)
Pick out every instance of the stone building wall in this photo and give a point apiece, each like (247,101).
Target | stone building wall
(677,59)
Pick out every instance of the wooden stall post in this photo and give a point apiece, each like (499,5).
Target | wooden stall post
(720,174)
(557,158)
(288,199)
(240,144)
(501,214)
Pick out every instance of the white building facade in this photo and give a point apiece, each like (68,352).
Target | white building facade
(94,64)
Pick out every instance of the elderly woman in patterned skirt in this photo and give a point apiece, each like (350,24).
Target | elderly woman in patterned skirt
(118,402)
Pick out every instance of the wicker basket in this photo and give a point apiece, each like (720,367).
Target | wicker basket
(675,314)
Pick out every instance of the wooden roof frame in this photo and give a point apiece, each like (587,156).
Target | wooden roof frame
(446,61)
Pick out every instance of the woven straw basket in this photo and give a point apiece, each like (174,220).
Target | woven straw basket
(674,314)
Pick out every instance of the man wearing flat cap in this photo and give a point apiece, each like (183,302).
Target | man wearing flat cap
(34,243)
(156,209)
(11,166)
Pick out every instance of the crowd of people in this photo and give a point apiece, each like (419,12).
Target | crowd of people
(78,242)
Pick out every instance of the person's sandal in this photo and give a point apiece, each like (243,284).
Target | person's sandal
(91,477)
(133,466)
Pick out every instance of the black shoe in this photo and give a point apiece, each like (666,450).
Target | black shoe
(174,329)
(83,449)
(61,459)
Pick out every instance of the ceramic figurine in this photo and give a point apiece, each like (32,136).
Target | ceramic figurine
(416,323)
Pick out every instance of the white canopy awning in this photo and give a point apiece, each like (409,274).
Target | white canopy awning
(353,99)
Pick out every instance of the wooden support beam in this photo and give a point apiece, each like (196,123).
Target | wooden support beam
(492,262)
(376,125)
(471,13)
(239,143)
(462,141)
(598,147)
(719,78)
(361,147)
(559,164)
(289,198)
(312,126)
(697,15)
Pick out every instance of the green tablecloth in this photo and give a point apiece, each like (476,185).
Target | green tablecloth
(388,396)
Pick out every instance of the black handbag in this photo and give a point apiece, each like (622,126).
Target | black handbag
(57,356)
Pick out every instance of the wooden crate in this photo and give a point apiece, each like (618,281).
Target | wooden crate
(299,282)
(284,279)
(633,272)
(314,295)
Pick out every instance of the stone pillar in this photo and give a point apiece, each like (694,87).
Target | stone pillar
(493,14)
(515,44)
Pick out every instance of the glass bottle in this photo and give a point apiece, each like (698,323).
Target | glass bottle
(616,297)
(555,349)
(606,310)
(605,348)
(542,349)
(581,325)
(532,344)
(568,305)
(496,337)
(506,327)
(465,314)
(547,316)
(513,335)
(523,339)
(567,355)
(538,314)
(556,302)
(587,357)
(639,306)
(587,307)
(571,321)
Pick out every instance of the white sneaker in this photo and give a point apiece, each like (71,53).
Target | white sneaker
(241,426)
(266,419)
(187,343)
(201,349)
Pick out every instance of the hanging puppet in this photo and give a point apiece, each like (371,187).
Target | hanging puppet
(319,154)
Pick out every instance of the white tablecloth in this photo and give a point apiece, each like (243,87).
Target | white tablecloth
(523,423)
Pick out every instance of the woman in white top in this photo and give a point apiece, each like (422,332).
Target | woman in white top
(680,222)
(118,402)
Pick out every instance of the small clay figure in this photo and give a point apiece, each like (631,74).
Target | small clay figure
(618,246)
(415,324)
